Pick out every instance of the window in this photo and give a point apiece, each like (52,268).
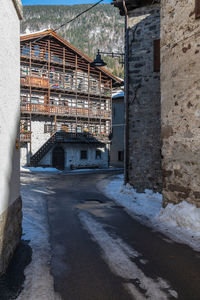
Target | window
(35,99)
(36,51)
(83,154)
(156,50)
(49,128)
(98,154)
(25,51)
(79,129)
(197,9)
(120,155)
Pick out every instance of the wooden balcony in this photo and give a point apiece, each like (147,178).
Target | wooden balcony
(35,81)
(45,109)
(70,88)
(25,137)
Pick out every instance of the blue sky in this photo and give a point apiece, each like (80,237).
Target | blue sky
(60,2)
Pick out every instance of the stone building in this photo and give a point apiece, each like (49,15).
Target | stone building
(10,201)
(142,94)
(62,92)
(180,94)
(117,144)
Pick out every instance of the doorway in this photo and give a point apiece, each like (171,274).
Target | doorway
(58,158)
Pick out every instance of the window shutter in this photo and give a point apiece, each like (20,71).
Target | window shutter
(197,9)
(156,49)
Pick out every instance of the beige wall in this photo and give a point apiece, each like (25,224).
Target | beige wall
(180,101)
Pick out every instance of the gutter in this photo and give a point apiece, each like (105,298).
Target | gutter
(19,8)
(126,97)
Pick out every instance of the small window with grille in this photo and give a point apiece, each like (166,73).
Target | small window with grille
(120,155)
(98,154)
(84,154)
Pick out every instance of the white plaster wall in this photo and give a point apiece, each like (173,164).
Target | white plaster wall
(10,103)
(72,156)
(38,136)
(23,155)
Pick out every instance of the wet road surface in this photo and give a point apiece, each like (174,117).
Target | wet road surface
(100,253)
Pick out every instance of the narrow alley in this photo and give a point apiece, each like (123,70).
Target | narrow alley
(97,251)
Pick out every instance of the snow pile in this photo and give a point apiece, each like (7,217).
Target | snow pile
(183,215)
(40,169)
(146,204)
(39,283)
(180,222)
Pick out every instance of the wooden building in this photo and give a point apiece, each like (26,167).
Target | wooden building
(61,91)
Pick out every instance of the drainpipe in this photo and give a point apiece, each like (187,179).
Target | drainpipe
(126,97)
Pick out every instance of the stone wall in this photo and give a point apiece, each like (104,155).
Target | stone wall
(10,232)
(10,207)
(180,57)
(144,145)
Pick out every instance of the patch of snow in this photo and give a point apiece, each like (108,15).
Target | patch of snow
(120,258)
(40,169)
(84,170)
(180,222)
(39,283)
(93,170)
(28,32)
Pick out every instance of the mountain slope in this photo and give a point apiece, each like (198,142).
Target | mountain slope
(100,28)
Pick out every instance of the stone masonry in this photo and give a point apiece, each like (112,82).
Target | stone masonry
(10,232)
(144,145)
(180,60)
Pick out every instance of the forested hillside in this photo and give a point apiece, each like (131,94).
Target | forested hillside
(100,28)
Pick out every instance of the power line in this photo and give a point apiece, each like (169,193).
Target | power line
(83,12)
(80,14)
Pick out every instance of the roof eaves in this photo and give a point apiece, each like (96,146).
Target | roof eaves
(69,45)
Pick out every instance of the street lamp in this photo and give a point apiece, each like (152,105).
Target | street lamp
(98,62)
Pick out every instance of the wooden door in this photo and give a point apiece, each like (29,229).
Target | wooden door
(58,158)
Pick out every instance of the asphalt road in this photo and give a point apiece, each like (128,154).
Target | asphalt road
(100,253)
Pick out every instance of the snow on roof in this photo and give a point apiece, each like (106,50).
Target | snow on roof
(118,94)
(33,32)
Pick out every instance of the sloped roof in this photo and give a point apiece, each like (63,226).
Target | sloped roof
(132,4)
(51,32)
(77,138)
(117,95)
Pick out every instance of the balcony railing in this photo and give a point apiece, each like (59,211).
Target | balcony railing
(40,82)
(25,137)
(46,109)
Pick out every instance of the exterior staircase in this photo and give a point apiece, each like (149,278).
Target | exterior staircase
(62,137)
(35,159)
